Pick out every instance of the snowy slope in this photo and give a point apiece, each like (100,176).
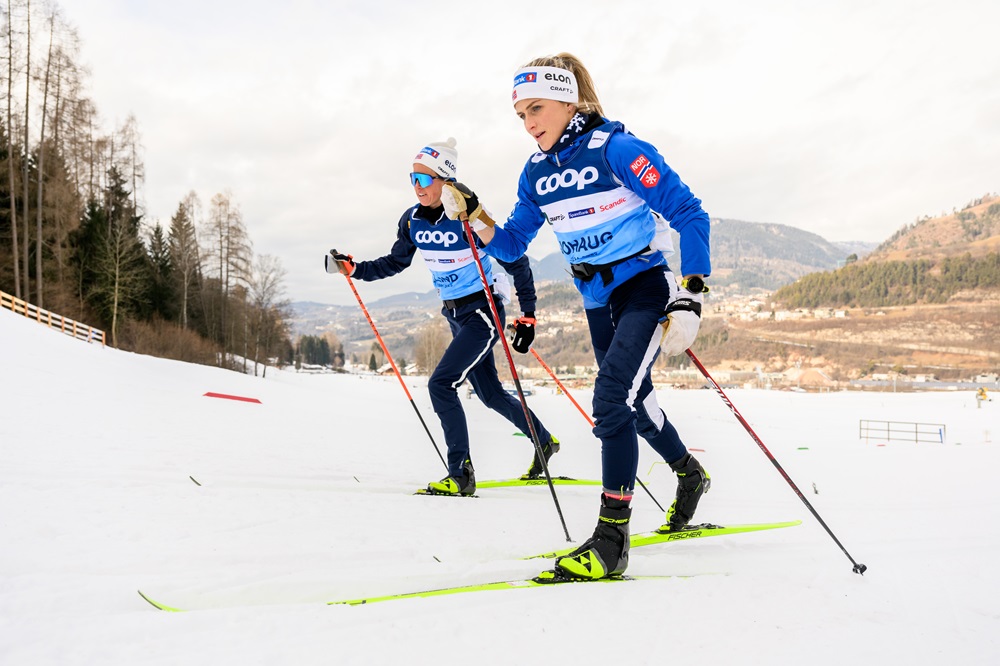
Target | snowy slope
(305,498)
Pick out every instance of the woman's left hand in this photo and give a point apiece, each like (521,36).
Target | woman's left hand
(680,323)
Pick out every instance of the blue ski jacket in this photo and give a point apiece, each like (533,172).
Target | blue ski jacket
(447,255)
(598,195)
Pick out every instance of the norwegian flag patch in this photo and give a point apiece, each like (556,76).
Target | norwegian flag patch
(645,171)
(639,164)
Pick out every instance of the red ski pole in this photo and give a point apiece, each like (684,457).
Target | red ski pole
(858,568)
(513,371)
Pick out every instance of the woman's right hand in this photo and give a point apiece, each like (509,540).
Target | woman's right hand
(458,199)
(337,262)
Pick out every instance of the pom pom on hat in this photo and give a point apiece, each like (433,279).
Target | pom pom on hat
(441,157)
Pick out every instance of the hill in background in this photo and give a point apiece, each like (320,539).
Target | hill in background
(926,302)
(950,336)
(753,255)
(973,230)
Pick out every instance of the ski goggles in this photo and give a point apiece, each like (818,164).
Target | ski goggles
(423,179)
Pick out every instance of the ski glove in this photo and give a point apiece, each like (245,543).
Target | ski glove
(457,199)
(524,332)
(340,263)
(680,322)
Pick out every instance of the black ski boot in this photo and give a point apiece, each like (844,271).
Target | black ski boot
(605,554)
(692,482)
(548,449)
(456,485)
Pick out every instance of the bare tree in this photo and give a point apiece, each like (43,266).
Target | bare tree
(134,169)
(336,349)
(24,177)
(430,343)
(82,146)
(227,258)
(10,150)
(62,191)
(39,281)
(266,288)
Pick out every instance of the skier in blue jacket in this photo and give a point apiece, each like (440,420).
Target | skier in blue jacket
(602,190)
(448,256)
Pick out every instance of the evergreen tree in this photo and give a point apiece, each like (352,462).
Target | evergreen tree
(114,270)
(162,298)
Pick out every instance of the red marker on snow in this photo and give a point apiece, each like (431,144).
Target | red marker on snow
(232,397)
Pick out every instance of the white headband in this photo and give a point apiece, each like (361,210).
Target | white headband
(545,83)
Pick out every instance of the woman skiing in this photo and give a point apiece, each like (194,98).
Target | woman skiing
(469,356)
(598,187)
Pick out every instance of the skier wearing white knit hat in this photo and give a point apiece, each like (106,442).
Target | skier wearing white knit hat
(447,254)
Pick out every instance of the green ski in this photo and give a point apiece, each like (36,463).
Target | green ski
(516,483)
(458,589)
(540,481)
(157,604)
(485,587)
(638,540)
(689,532)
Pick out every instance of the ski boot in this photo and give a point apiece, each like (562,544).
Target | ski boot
(692,482)
(548,449)
(465,484)
(604,555)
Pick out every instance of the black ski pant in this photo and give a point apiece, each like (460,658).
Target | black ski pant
(470,356)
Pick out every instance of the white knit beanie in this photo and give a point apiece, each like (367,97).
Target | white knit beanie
(441,157)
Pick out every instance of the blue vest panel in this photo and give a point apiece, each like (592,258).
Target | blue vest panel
(596,218)
(448,256)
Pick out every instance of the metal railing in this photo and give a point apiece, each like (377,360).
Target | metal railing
(903,431)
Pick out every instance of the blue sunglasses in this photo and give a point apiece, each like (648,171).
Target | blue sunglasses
(423,179)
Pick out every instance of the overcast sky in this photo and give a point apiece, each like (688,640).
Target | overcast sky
(849,119)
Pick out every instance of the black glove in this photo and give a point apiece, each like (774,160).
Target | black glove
(340,263)
(524,332)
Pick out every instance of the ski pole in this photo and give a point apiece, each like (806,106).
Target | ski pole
(513,371)
(585,414)
(858,568)
(385,349)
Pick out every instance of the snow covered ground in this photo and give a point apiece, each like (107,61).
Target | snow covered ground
(306,498)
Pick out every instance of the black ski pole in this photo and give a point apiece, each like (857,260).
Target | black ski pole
(513,371)
(858,568)
(585,414)
(393,364)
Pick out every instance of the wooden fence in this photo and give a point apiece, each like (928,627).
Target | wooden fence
(53,320)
